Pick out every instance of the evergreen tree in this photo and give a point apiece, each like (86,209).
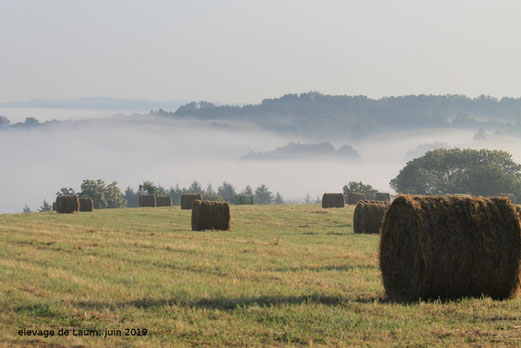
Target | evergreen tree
(45,206)
(227,192)
(247,191)
(263,195)
(195,187)
(26,208)
(278,199)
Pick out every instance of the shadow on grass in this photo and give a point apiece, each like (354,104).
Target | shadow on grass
(223,303)
(323,268)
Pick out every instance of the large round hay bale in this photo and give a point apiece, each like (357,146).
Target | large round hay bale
(208,215)
(164,201)
(86,204)
(246,199)
(354,197)
(450,247)
(148,201)
(382,196)
(187,200)
(369,215)
(332,200)
(67,204)
(509,195)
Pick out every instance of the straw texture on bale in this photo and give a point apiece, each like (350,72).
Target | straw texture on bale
(246,199)
(354,197)
(147,201)
(369,215)
(86,204)
(208,215)
(382,196)
(332,200)
(67,204)
(450,247)
(164,201)
(187,200)
(509,195)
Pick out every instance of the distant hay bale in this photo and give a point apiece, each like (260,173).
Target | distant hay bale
(332,200)
(210,215)
(450,247)
(67,204)
(509,195)
(187,200)
(354,197)
(382,196)
(246,199)
(147,201)
(86,204)
(212,197)
(369,215)
(164,201)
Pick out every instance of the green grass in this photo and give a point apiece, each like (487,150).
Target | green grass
(290,275)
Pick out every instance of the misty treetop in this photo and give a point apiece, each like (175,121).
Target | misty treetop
(313,113)
(451,171)
(298,151)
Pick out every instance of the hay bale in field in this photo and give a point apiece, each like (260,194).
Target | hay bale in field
(509,195)
(450,247)
(369,215)
(164,201)
(382,196)
(67,204)
(210,215)
(354,197)
(147,201)
(332,200)
(86,204)
(246,199)
(187,200)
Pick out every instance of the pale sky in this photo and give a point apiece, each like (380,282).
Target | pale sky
(239,51)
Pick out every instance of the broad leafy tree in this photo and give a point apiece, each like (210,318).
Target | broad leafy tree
(445,171)
(359,186)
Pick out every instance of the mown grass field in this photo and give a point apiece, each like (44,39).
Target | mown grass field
(290,275)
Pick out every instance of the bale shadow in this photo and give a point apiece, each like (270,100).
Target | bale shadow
(323,268)
(230,304)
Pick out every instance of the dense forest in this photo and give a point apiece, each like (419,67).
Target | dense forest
(314,114)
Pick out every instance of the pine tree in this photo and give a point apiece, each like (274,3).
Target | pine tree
(45,206)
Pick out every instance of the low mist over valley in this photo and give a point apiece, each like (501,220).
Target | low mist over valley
(300,145)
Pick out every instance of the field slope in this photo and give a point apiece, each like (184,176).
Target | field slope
(289,275)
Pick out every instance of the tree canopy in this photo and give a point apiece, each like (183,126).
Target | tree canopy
(445,171)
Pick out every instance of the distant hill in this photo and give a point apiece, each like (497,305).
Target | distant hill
(320,116)
(297,151)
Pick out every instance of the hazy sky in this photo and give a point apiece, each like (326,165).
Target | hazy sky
(243,51)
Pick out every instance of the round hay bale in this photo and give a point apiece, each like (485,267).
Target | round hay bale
(208,215)
(509,195)
(332,200)
(246,199)
(187,200)
(148,201)
(86,204)
(382,196)
(67,204)
(164,201)
(354,197)
(369,215)
(450,247)
(213,197)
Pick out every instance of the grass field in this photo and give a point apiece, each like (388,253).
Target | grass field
(289,275)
